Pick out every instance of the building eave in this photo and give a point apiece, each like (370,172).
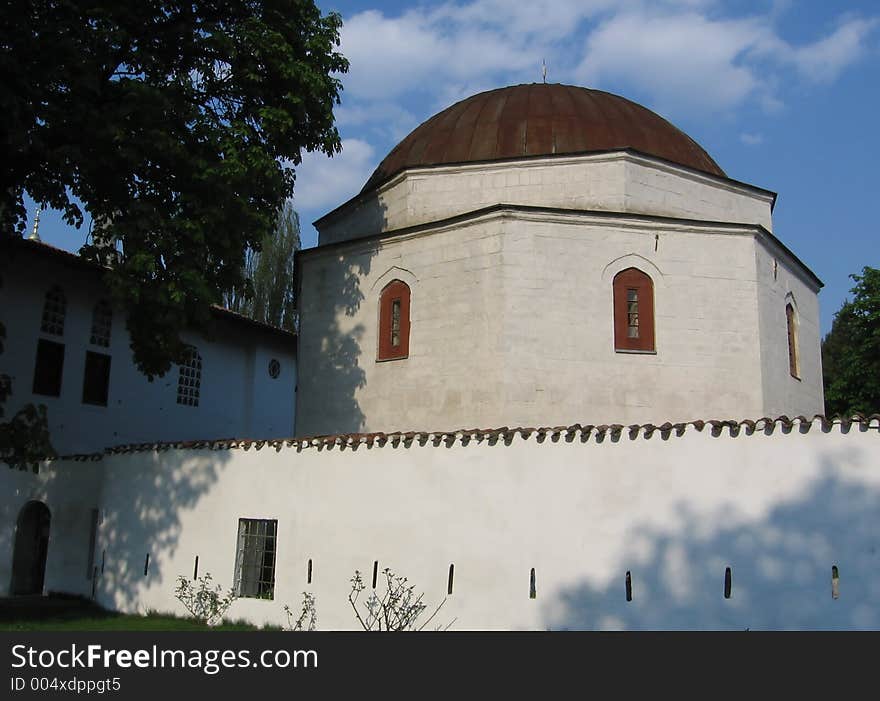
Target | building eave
(366,195)
(756,229)
(77,262)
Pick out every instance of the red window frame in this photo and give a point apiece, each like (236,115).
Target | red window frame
(633,279)
(395,291)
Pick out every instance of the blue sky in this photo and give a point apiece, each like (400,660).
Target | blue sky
(784,95)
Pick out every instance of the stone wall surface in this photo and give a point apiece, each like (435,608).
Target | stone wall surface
(512,324)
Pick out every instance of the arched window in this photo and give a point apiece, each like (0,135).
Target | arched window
(189,379)
(102,322)
(54,310)
(633,311)
(394,321)
(793,359)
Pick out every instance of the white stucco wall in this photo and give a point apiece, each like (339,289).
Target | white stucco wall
(238,398)
(779,507)
(70,491)
(618,182)
(780,282)
(512,324)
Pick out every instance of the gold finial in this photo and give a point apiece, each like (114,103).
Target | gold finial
(35,234)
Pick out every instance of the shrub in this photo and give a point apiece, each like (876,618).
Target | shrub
(308,617)
(206,602)
(398,608)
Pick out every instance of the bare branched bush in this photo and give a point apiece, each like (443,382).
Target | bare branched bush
(205,602)
(398,608)
(308,617)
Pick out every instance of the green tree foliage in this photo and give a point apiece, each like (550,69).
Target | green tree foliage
(268,295)
(851,350)
(177,125)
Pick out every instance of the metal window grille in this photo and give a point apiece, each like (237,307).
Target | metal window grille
(632,312)
(54,310)
(102,322)
(255,558)
(189,380)
(395,323)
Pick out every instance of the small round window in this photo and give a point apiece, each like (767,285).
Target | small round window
(274,368)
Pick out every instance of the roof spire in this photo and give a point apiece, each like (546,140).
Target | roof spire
(35,234)
(543,70)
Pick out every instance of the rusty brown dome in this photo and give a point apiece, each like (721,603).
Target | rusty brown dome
(540,120)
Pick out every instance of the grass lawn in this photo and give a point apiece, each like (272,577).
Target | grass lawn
(74,614)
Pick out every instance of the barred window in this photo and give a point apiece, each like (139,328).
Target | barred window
(632,313)
(394,303)
(54,310)
(189,380)
(633,294)
(255,558)
(102,323)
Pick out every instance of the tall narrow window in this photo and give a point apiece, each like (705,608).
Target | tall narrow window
(394,303)
(96,380)
(54,310)
(102,322)
(48,368)
(793,360)
(189,378)
(633,311)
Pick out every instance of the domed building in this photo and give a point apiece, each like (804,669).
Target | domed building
(545,255)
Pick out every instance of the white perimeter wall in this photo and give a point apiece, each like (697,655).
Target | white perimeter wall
(778,508)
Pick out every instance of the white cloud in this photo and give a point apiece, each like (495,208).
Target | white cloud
(694,61)
(545,18)
(419,51)
(824,60)
(323,183)
(683,60)
(386,120)
(750,139)
(685,54)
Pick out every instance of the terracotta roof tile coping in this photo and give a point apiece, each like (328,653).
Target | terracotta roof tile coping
(716,427)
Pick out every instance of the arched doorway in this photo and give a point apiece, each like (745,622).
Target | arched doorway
(31,548)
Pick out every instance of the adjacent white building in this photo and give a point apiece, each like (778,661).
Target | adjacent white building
(67,348)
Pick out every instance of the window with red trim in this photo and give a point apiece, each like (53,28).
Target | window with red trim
(633,311)
(394,321)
